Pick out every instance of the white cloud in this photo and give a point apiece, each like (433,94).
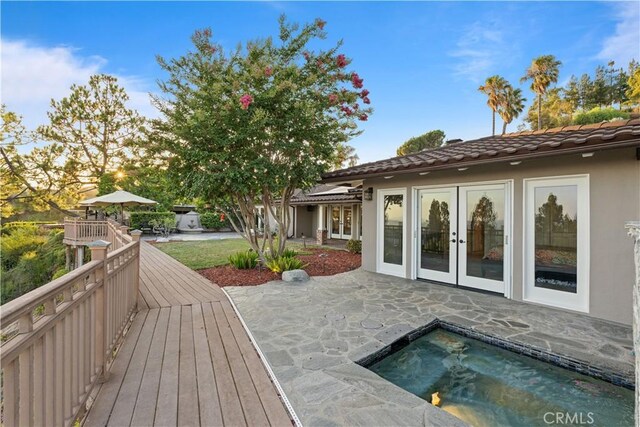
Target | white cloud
(32,75)
(478,51)
(624,44)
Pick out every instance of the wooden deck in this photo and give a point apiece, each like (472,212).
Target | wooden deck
(186,359)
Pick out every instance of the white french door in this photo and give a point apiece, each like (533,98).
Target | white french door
(437,235)
(482,222)
(341,222)
(462,235)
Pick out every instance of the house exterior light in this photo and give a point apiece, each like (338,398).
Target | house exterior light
(368,194)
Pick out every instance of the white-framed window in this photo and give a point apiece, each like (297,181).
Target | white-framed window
(556,244)
(392,226)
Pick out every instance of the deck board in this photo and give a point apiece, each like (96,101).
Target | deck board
(145,407)
(186,359)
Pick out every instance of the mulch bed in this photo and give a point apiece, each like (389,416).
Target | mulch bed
(320,263)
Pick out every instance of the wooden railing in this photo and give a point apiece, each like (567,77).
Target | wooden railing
(81,231)
(117,235)
(59,339)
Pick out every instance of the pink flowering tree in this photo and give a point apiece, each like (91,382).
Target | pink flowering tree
(246,128)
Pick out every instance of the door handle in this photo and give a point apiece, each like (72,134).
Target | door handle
(461,241)
(453,240)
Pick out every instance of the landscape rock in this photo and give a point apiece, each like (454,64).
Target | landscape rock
(295,276)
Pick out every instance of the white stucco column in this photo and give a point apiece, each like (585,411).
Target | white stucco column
(634,231)
(321,235)
(355,222)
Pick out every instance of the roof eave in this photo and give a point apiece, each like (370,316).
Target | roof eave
(487,160)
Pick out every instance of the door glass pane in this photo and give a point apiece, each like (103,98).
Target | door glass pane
(335,220)
(346,222)
(485,234)
(435,231)
(556,237)
(393,220)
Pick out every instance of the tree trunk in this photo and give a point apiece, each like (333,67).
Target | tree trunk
(504,127)
(539,111)
(493,123)
(634,231)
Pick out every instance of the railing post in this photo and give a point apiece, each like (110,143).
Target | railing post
(99,253)
(634,231)
(124,229)
(135,235)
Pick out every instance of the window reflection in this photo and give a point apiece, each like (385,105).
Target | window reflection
(556,238)
(485,234)
(434,229)
(393,233)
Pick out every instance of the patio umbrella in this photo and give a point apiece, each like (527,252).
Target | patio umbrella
(120,197)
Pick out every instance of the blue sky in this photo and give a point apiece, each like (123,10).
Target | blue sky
(422,61)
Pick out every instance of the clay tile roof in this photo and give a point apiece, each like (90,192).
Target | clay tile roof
(519,145)
(327,194)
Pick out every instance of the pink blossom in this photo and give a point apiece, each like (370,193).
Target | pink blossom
(319,63)
(306,55)
(347,110)
(366,100)
(320,23)
(363,117)
(364,93)
(213,49)
(245,101)
(333,98)
(356,80)
(268,71)
(341,61)
(355,107)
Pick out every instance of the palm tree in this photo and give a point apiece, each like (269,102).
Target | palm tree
(511,106)
(493,87)
(542,72)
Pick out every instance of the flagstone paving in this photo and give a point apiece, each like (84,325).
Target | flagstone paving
(313,332)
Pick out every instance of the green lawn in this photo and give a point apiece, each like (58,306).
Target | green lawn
(208,253)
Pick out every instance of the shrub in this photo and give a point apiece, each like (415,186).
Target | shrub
(354,246)
(35,256)
(289,253)
(599,115)
(214,221)
(140,220)
(244,260)
(280,264)
(59,273)
(18,240)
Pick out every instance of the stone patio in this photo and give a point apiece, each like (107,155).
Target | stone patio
(313,332)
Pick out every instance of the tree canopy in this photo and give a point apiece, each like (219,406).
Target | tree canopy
(247,127)
(431,139)
(494,87)
(543,72)
(90,133)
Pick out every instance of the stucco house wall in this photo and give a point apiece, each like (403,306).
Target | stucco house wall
(614,194)
(305,223)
